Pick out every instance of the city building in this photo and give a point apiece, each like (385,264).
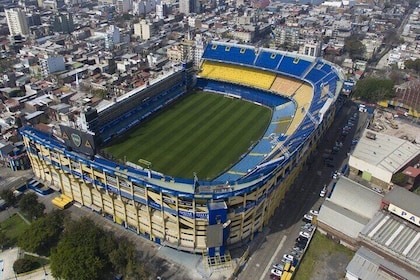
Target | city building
(378,156)
(347,210)
(17,22)
(51,64)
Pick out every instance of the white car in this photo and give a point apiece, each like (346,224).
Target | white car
(308,217)
(323,192)
(313,212)
(276,272)
(304,234)
(288,258)
(278,266)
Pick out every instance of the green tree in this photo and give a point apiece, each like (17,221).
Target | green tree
(399,179)
(87,252)
(23,265)
(354,48)
(413,64)
(4,240)
(78,255)
(9,197)
(31,207)
(374,89)
(43,233)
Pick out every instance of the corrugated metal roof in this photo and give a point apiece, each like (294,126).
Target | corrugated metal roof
(356,197)
(394,236)
(388,152)
(366,265)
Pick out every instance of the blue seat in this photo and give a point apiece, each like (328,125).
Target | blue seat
(293,66)
(268,60)
(230,53)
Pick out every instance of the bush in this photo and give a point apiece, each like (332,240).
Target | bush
(24,265)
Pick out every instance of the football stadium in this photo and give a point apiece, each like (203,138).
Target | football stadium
(274,105)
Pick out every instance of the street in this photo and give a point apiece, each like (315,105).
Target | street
(279,237)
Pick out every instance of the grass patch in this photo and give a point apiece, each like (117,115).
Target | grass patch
(205,133)
(13,227)
(320,249)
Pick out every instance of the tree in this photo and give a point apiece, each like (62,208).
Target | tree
(399,179)
(78,254)
(9,197)
(87,252)
(23,265)
(374,89)
(43,233)
(4,240)
(30,206)
(412,64)
(355,48)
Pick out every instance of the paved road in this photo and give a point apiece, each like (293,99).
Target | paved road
(278,238)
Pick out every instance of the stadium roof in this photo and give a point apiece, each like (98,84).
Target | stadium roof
(368,265)
(387,152)
(356,197)
(404,199)
(395,237)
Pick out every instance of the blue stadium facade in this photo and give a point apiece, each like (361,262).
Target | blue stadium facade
(189,214)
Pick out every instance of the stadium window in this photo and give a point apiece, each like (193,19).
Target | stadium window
(242,50)
(296,60)
(213,47)
(273,56)
(227,48)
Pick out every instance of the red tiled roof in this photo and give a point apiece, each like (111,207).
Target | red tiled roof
(412,171)
(409,93)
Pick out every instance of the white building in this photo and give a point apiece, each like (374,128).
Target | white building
(161,10)
(143,29)
(17,22)
(377,157)
(142,7)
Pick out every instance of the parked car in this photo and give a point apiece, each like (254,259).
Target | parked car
(307,218)
(323,191)
(304,234)
(313,212)
(278,266)
(276,272)
(308,227)
(288,258)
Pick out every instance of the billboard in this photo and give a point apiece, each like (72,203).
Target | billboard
(404,214)
(77,140)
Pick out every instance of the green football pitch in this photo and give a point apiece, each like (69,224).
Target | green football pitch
(204,133)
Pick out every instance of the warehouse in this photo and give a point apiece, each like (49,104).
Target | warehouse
(347,211)
(377,157)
